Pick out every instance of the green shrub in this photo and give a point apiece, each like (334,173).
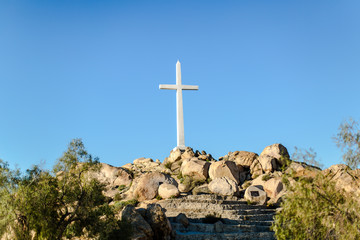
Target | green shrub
(246,184)
(168,165)
(120,205)
(117,197)
(315,209)
(266,177)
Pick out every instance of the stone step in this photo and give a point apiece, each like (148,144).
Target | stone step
(225,236)
(248,222)
(208,205)
(210,197)
(230,221)
(228,214)
(238,211)
(226,228)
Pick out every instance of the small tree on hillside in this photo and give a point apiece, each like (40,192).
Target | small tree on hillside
(348,139)
(68,203)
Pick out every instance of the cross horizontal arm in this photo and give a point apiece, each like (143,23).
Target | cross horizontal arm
(167,86)
(189,87)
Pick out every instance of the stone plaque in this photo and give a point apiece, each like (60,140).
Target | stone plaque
(254,193)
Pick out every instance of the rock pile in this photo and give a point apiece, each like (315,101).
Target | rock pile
(191,186)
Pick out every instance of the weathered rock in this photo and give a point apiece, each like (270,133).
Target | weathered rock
(143,165)
(344,178)
(143,161)
(176,158)
(255,195)
(168,190)
(243,174)
(184,187)
(141,229)
(224,169)
(224,186)
(242,158)
(175,155)
(188,153)
(113,178)
(203,189)
(148,184)
(195,168)
(255,169)
(298,169)
(273,157)
(268,163)
(161,227)
(273,187)
(258,181)
(181,218)
(276,201)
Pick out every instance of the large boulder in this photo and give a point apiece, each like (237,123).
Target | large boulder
(224,169)
(255,194)
(273,187)
(273,157)
(148,184)
(202,189)
(242,158)
(259,180)
(299,169)
(176,157)
(168,191)
(344,178)
(155,216)
(195,168)
(224,186)
(141,228)
(268,163)
(255,169)
(184,187)
(113,178)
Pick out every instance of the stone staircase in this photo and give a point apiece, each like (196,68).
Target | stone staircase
(216,217)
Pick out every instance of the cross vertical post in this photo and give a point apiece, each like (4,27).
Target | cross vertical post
(179,104)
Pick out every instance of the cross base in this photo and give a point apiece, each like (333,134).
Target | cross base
(179,147)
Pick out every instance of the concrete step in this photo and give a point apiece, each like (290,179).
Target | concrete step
(218,205)
(210,228)
(225,236)
(230,221)
(210,197)
(238,211)
(228,214)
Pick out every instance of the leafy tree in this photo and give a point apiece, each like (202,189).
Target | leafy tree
(306,156)
(66,202)
(315,209)
(348,139)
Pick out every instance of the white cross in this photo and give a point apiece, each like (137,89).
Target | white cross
(179,104)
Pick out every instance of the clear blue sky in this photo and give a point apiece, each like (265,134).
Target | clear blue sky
(269,72)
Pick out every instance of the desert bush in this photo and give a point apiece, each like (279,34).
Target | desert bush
(61,204)
(315,209)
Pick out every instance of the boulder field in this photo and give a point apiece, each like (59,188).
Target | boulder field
(181,196)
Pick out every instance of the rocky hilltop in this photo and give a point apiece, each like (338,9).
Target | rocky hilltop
(191,195)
